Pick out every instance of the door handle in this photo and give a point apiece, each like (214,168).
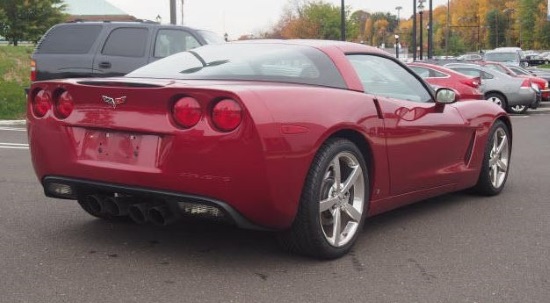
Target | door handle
(105,65)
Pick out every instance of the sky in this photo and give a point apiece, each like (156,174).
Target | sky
(243,17)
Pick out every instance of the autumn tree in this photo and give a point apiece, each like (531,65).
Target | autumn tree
(29,19)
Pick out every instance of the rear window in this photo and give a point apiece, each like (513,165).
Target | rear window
(248,62)
(69,39)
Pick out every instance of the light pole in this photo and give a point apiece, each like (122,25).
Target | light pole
(173,12)
(414,31)
(343,22)
(447,31)
(398,8)
(430,30)
(397,46)
(420,9)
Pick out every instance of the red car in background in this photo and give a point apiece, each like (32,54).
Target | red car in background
(540,82)
(466,87)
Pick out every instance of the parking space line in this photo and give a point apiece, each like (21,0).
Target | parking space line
(13,145)
(15,129)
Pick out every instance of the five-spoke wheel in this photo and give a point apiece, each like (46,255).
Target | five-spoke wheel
(334,202)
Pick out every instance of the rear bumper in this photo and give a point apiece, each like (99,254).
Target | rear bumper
(225,212)
(525,96)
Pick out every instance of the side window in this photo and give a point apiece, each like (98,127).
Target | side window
(170,41)
(126,42)
(468,71)
(384,77)
(69,39)
(422,72)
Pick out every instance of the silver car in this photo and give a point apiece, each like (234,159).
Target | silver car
(513,94)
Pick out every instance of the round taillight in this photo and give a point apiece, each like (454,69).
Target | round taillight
(227,115)
(41,104)
(187,112)
(64,105)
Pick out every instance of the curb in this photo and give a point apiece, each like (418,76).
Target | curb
(13,122)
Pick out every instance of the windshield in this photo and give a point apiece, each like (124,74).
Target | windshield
(211,37)
(248,62)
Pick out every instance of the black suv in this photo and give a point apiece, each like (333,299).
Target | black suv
(104,49)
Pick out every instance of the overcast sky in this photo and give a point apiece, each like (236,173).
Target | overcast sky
(238,17)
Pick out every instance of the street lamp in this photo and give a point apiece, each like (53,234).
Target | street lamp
(397,46)
(421,8)
(158,19)
(398,8)
(226,37)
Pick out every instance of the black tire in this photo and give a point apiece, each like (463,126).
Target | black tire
(517,109)
(311,233)
(498,99)
(494,174)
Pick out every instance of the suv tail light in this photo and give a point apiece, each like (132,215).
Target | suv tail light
(227,115)
(33,70)
(41,103)
(64,105)
(187,112)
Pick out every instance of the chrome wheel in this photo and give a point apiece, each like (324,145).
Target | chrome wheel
(518,109)
(342,199)
(499,158)
(496,99)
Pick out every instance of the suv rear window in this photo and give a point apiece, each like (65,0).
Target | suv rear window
(69,39)
(126,42)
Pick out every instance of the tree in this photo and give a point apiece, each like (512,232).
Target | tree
(29,19)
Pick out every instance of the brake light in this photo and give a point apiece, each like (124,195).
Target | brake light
(187,112)
(526,83)
(472,82)
(41,104)
(227,115)
(33,70)
(64,105)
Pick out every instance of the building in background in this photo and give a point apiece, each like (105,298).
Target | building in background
(96,10)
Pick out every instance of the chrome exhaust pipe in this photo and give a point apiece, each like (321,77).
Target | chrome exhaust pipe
(161,215)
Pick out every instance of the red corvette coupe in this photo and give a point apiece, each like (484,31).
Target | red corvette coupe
(307,138)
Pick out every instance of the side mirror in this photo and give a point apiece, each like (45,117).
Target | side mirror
(445,96)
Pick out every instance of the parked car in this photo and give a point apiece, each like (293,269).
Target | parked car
(509,56)
(104,49)
(307,138)
(466,87)
(542,84)
(534,60)
(469,57)
(515,95)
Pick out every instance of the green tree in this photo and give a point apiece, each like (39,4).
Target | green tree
(28,20)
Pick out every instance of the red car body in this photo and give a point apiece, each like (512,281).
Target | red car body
(255,173)
(466,87)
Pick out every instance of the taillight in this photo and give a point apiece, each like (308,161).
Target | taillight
(33,70)
(41,103)
(64,105)
(472,82)
(227,115)
(187,112)
(526,83)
